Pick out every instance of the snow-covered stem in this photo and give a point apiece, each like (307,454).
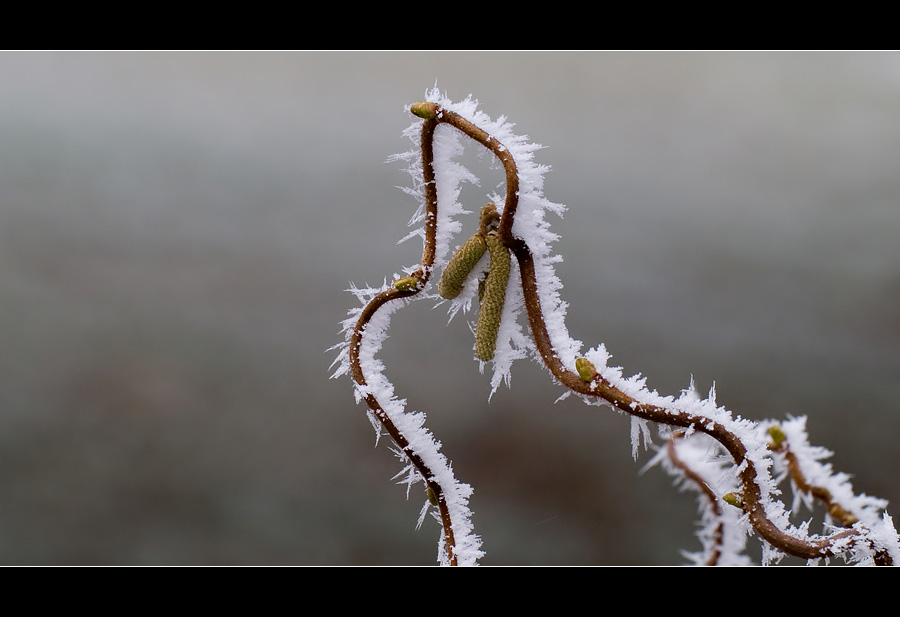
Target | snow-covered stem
(752,449)
(410,286)
(710,501)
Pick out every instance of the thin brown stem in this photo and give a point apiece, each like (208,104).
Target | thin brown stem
(600,387)
(714,503)
(595,386)
(422,275)
(839,513)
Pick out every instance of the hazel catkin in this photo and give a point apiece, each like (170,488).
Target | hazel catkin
(461,263)
(491,308)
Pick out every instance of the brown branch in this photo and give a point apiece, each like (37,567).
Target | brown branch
(703,487)
(594,385)
(599,386)
(420,277)
(839,513)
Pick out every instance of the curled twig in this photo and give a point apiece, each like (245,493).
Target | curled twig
(579,374)
(711,500)
(843,516)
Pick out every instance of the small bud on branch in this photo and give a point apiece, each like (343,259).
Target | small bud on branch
(586,370)
(407,283)
(733,499)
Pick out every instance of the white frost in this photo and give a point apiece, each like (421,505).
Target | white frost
(700,453)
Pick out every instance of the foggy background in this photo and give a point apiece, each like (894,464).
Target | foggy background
(178,229)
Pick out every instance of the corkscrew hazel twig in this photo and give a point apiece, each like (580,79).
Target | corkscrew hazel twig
(876,539)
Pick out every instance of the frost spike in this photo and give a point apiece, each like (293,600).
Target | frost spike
(494,296)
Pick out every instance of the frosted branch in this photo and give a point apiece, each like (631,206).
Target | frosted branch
(732,471)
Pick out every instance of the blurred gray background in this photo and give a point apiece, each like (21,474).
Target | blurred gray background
(178,229)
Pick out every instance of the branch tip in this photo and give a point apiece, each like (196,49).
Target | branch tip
(777,435)
(424,110)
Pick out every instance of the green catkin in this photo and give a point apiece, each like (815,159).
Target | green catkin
(491,309)
(464,259)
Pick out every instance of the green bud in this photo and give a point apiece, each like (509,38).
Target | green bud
(432,497)
(777,435)
(407,283)
(491,309)
(460,265)
(733,499)
(424,110)
(585,369)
